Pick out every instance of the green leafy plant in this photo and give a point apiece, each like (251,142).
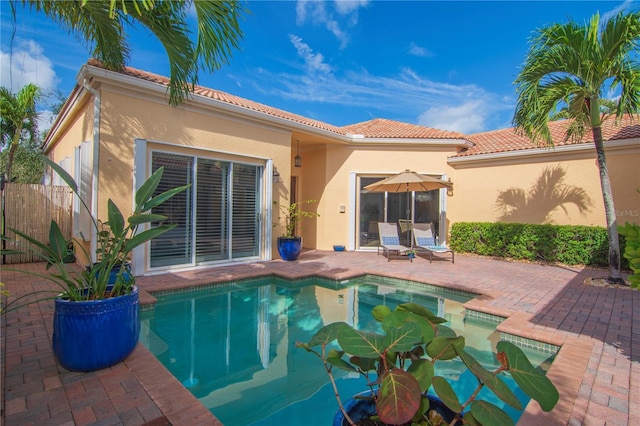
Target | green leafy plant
(399,368)
(566,244)
(293,213)
(116,239)
(631,232)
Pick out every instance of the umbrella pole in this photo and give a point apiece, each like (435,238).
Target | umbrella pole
(409,220)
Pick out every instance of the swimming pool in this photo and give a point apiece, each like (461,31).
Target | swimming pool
(233,345)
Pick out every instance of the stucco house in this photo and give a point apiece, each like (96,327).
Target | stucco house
(240,157)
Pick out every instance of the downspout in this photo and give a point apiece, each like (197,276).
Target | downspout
(93,243)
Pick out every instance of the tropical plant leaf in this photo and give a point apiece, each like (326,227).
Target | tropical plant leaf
(444,347)
(422,370)
(66,177)
(380,312)
(403,338)
(365,364)
(334,357)
(490,380)
(140,218)
(532,381)
(156,201)
(147,189)
(145,236)
(360,343)
(422,311)
(115,217)
(444,331)
(399,317)
(398,397)
(446,393)
(489,414)
(57,242)
(327,334)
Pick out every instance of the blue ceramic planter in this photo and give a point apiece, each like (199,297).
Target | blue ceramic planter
(360,409)
(96,334)
(113,274)
(289,248)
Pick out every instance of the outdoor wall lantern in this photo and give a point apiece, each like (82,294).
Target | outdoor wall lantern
(276,175)
(450,190)
(297,161)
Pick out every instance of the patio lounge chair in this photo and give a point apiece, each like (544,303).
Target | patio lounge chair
(424,240)
(390,241)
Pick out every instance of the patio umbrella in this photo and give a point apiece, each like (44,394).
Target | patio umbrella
(408,181)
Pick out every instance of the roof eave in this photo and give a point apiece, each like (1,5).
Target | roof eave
(534,152)
(117,78)
(363,140)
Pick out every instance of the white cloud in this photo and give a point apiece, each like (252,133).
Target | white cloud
(314,61)
(27,64)
(346,7)
(469,117)
(416,50)
(316,12)
(406,96)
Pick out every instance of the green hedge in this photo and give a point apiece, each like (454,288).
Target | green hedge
(567,244)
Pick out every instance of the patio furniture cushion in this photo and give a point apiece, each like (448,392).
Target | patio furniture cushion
(425,241)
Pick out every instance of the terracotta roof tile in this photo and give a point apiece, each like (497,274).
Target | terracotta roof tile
(378,128)
(506,140)
(383,128)
(229,99)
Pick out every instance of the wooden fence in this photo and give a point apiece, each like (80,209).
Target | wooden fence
(30,209)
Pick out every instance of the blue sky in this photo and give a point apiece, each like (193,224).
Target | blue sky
(448,65)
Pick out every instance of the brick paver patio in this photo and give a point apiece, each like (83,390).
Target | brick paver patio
(597,370)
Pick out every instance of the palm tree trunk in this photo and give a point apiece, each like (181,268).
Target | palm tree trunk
(12,152)
(610,211)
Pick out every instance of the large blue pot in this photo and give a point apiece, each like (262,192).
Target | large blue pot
(96,334)
(360,409)
(289,248)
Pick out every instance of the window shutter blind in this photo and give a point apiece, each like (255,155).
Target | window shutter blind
(173,247)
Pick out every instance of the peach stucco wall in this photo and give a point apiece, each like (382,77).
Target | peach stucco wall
(479,186)
(77,129)
(330,170)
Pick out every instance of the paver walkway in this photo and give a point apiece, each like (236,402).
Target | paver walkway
(597,370)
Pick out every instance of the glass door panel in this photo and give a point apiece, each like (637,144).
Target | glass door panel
(212,211)
(173,247)
(245,230)
(371,212)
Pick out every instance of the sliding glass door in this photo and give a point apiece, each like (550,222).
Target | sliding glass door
(217,219)
(393,207)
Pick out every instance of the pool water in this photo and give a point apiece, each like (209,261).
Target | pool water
(233,345)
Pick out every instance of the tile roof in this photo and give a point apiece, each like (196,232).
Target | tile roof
(377,128)
(383,128)
(229,99)
(495,141)
(506,140)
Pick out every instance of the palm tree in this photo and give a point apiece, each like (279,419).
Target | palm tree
(18,120)
(104,24)
(571,66)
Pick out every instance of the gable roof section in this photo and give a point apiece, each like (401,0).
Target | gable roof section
(383,128)
(228,99)
(376,131)
(508,140)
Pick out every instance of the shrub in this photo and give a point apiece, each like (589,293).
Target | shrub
(567,244)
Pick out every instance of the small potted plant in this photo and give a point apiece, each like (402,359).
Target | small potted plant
(289,244)
(96,322)
(399,368)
